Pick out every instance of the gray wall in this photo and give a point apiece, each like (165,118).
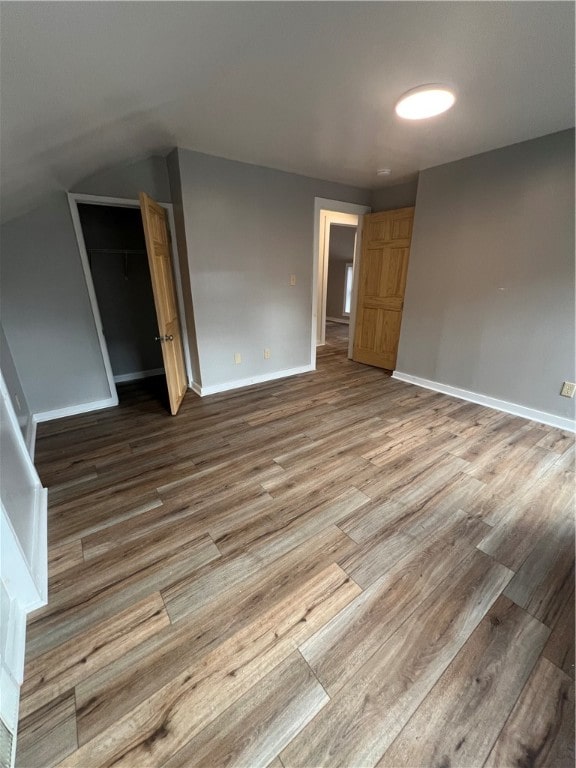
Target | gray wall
(17,396)
(173,166)
(490,291)
(149,175)
(340,253)
(396,196)
(248,228)
(45,306)
(46,312)
(123,287)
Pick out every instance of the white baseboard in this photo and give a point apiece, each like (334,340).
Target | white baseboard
(74,410)
(136,375)
(341,320)
(490,402)
(260,379)
(196,388)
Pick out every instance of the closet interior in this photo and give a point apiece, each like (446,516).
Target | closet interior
(116,248)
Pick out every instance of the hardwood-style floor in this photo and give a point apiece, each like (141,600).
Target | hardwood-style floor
(337,569)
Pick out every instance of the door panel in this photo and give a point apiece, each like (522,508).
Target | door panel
(369,328)
(383,268)
(160,262)
(392,277)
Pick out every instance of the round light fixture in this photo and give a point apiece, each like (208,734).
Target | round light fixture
(425,101)
(384,172)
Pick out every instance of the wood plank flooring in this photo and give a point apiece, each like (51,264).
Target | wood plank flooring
(337,569)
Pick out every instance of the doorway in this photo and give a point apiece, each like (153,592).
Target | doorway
(339,283)
(112,246)
(114,239)
(327,215)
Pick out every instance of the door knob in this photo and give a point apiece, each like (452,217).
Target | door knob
(164,338)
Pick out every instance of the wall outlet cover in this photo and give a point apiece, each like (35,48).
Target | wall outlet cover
(568,389)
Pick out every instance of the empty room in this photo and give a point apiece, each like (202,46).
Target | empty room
(287,351)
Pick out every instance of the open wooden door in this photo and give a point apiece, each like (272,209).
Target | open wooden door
(169,335)
(386,240)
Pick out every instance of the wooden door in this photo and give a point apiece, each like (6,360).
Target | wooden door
(169,335)
(386,240)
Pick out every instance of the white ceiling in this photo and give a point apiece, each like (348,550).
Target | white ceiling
(308,87)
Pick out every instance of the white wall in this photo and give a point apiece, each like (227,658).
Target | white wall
(490,292)
(249,228)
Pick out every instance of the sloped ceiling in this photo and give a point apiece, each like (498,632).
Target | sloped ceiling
(307,87)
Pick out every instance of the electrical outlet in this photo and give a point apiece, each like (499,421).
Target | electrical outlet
(266,354)
(237,358)
(292,279)
(568,389)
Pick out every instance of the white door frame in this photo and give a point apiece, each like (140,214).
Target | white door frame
(73,199)
(327,220)
(326,213)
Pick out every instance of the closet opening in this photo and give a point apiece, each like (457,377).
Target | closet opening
(118,262)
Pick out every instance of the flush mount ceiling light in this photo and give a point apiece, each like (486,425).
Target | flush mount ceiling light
(425,101)
(384,172)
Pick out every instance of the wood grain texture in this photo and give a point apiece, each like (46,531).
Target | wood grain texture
(546,578)
(338,650)
(459,721)
(560,646)
(540,730)
(386,240)
(156,232)
(64,556)
(256,727)
(72,520)
(365,716)
(114,691)
(119,580)
(47,735)
(521,521)
(211,573)
(163,723)
(65,666)
(394,543)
